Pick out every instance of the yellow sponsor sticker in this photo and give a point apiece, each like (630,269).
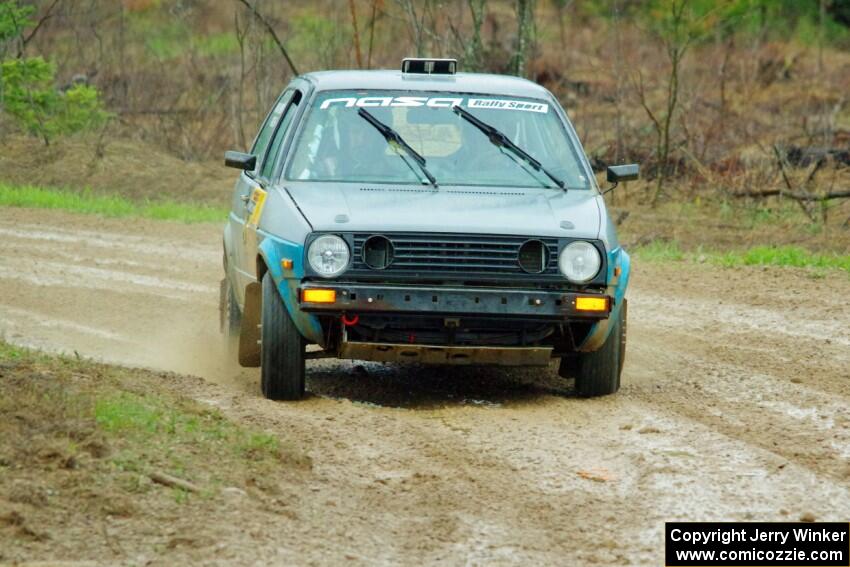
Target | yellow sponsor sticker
(258,199)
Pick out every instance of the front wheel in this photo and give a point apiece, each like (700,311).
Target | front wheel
(282,348)
(229,317)
(598,373)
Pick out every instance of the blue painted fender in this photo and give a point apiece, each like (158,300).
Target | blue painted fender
(617,289)
(273,249)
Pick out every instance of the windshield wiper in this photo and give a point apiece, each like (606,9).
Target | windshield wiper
(499,139)
(396,141)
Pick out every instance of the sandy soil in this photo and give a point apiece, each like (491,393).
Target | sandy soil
(734,407)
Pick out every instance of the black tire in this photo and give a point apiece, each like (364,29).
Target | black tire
(229,317)
(598,373)
(282,348)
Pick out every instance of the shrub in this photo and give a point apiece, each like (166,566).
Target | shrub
(28,95)
(13,19)
(27,86)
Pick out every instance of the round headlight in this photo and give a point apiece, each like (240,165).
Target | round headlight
(579,261)
(328,255)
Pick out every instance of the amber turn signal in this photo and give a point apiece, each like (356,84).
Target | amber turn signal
(286,264)
(318,296)
(591,304)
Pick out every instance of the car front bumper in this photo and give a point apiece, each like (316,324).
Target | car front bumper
(357,298)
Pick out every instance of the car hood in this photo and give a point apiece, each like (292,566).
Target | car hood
(480,210)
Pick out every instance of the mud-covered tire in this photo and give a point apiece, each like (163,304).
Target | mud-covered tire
(229,316)
(282,348)
(598,373)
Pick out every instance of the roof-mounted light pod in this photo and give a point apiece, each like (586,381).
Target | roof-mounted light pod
(418,66)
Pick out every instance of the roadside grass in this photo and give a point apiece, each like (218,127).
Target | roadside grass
(147,420)
(106,205)
(116,427)
(660,251)
(784,256)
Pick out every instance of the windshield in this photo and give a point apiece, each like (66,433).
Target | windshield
(337,144)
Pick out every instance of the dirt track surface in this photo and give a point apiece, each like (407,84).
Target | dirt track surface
(735,406)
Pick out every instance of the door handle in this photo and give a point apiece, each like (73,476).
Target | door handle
(245,198)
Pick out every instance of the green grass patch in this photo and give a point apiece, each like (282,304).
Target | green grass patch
(10,352)
(127,413)
(77,411)
(784,256)
(106,205)
(151,419)
(660,251)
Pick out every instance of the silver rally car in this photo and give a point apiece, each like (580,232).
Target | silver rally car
(425,216)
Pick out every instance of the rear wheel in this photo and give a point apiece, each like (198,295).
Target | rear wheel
(598,373)
(229,316)
(282,348)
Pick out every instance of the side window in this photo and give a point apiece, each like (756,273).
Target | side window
(272,155)
(262,140)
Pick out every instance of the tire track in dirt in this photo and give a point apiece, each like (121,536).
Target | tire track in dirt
(802,424)
(734,406)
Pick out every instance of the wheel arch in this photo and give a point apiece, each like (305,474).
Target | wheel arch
(618,283)
(270,253)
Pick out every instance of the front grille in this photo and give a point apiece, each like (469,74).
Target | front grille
(466,255)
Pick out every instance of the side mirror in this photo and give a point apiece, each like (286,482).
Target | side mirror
(238,160)
(620,173)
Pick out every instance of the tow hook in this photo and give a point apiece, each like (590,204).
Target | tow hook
(350,321)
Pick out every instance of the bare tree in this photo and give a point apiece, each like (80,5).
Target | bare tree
(272,33)
(26,38)
(357,52)
(376,4)
(474,53)
(124,83)
(677,30)
(618,70)
(471,47)
(416,23)
(562,6)
(241,31)
(525,25)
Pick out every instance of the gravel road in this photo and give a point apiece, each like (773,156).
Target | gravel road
(734,406)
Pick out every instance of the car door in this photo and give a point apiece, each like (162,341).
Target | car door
(255,201)
(241,270)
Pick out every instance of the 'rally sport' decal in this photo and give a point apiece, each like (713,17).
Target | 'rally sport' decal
(437,102)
